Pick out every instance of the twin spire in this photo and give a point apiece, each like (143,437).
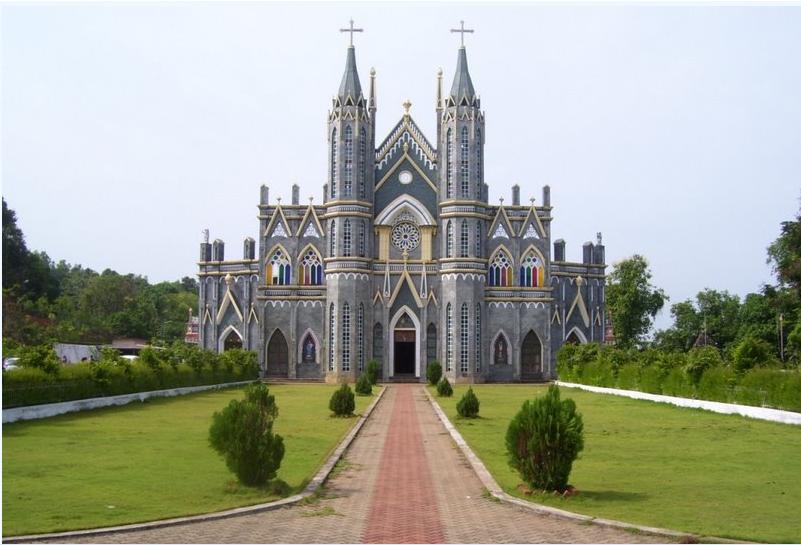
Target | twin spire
(462,90)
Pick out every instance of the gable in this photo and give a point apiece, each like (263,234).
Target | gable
(389,187)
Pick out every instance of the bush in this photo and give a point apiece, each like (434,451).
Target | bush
(651,379)
(343,402)
(717,384)
(242,434)
(40,357)
(628,376)
(544,439)
(468,405)
(363,386)
(433,373)
(598,373)
(752,352)
(372,371)
(701,359)
(678,383)
(444,388)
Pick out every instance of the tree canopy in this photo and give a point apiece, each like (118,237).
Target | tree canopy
(632,300)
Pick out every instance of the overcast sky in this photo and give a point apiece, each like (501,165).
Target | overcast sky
(674,130)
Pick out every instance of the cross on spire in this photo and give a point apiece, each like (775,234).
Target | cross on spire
(462,31)
(351,30)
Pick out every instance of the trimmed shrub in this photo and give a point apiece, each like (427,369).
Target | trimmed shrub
(717,384)
(433,373)
(764,387)
(752,352)
(363,386)
(468,405)
(40,357)
(701,359)
(544,439)
(372,371)
(243,434)
(677,383)
(598,373)
(343,402)
(628,376)
(651,379)
(444,388)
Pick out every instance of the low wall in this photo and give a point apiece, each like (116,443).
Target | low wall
(761,413)
(34,412)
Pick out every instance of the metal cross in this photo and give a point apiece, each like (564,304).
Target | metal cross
(351,30)
(462,31)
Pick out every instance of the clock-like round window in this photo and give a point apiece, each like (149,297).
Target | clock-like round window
(406,236)
(405,177)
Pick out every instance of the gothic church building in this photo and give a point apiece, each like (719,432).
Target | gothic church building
(405,262)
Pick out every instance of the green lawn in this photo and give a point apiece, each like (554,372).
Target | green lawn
(150,461)
(658,465)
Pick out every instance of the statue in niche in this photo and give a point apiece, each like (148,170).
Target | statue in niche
(501,356)
(309,350)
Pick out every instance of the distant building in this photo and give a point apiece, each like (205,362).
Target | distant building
(128,346)
(76,353)
(192,335)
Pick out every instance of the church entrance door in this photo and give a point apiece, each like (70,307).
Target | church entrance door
(404,352)
(277,356)
(531,358)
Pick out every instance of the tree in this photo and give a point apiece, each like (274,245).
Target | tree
(785,254)
(632,300)
(752,352)
(15,252)
(243,434)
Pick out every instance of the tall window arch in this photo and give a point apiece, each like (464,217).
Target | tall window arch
(279,269)
(362,162)
(477,338)
(308,349)
(346,337)
(332,336)
(334,146)
(360,338)
(332,239)
(448,338)
(346,238)
(431,343)
(449,173)
(464,246)
(449,239)
(378,343)
(531,271)
(311,269)
(479,173)
(361,238)
(347,183)
(478,239)
(464,349)
(500,270)
(465,163)
(500,351)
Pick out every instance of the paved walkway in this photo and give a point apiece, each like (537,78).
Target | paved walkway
(404,481)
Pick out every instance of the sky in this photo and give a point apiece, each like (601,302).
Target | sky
(675,130)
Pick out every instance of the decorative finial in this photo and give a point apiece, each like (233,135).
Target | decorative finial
(462,30)
(406,105)
(600,238)
(205,236)
(501,199)
(351,30)
(279,200)
(532,201)
(372,72)
(579,281)
(229,279)
(311,199)
(406,147)
(439,72)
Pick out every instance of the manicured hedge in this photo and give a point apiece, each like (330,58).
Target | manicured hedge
(701,373)
(158,370)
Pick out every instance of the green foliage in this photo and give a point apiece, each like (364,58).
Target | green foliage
(751,352)
(678,383)
(243,434)
(632,300)
(372,371)
(785,253)
(444,388)
(572,358)
(628,377)
(651,379)
(701,359)
(363,386)
(717,384)
(794,344)
(40,357)
(544,439)
(433,373)
(468,406)
(342,402)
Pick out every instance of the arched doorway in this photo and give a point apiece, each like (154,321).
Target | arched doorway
(531,358)
(575,337)
(229,339)
(405,344)
(277,356)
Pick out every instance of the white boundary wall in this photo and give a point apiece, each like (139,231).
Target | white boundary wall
(761,413)
(35,412)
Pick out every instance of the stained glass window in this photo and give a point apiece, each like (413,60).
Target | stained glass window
(500,270)
(531,271)
(311,269)
(279,269)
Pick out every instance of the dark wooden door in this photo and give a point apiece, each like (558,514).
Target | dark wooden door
(404,352)
(531,358)
(277,356)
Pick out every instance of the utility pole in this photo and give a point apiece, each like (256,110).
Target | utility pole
(781,337)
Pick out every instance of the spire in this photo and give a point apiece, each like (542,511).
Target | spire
(350,85)
(462,84)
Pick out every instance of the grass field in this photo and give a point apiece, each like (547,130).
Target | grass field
(658,465)
(150,461)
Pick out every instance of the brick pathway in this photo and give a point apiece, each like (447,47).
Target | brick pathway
(403,481)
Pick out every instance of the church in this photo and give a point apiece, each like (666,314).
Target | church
(405,261)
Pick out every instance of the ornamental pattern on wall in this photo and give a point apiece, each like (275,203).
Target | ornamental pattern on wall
(405,236)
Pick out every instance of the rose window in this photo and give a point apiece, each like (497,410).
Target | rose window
(406,236)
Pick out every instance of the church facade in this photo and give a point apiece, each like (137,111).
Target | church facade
(404,262)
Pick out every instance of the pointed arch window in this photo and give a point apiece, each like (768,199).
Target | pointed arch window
(464,245)
(477,338)
(346,238)
(479,165)
(500,351)
(500,270)
(362,162)
(332,336)
(332,239)
(347,183)
(464,349)
(431,343)
(478,239)
(346,337)
(308,349)
(531,271)
(449,338)
(360,338)
(279,269)
(361,239)
(449,240)
(378,343)
(465,163)
(449,173)
(311,269)
(334,146)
